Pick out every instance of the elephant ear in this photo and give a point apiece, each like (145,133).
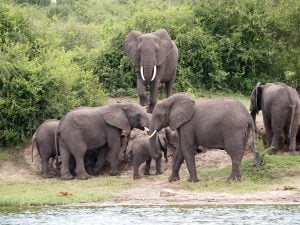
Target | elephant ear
(115,115)
(255,104)
(165,46)
(130,46)
(182,109)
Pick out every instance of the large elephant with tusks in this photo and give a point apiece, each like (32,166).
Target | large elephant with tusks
(216,124)
(155,58)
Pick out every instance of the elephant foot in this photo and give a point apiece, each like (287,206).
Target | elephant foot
(67,177)
(293,152)
(193,179)
(150,109)
(147,173)
(174,178)
(114,173)
(46,176)
(83,176)
(136,177)
(158,172)
(234,179)
(272,150)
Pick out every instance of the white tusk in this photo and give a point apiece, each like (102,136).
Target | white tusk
(146,129)
(152,134)
(142,73)
(154,73)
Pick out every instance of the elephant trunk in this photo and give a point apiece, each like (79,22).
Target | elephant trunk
(148,70)
(153,145)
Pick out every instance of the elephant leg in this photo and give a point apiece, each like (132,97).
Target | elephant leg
(293,141)
(269,132)
(136,164)
(147,167)
(114,145)
(100,160)
(141,92)
(275,141)
(158,167)
(65,155)
(169,88)
(236,158)
(45,166)
(235,144)
(153,95)
(188,152)
(79,158)
(178,160)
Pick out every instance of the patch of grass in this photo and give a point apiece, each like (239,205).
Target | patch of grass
(275,170)
(55,191)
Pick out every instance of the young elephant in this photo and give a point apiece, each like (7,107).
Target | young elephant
(216,124)
(44,140)
(280,105)
(94,127)
(138,153)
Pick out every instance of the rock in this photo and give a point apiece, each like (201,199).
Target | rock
(166,193)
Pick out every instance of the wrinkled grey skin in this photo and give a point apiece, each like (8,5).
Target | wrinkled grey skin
(92,128)
(139,153)
(148,50)
(298,133)
(44,140)
(217,124)
(280,107)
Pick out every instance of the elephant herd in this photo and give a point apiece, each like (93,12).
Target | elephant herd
(219,123)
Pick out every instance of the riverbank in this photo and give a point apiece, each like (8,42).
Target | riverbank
(277,182)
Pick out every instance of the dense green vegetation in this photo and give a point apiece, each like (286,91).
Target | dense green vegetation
(54,57)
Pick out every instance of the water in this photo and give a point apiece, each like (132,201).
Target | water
(153,215)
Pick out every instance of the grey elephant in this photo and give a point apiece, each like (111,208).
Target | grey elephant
(155,57)
(138,152)
(44,141)
(91,128)
(280,107)
(219,124)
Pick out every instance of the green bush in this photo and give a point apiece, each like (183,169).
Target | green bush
(38,80)
(223,45)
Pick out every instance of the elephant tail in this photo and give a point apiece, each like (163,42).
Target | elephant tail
(34,143)
(293,108)
(251,128)
(57,152)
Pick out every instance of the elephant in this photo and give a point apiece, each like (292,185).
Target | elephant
(138,151)
(218,124)
(94,127)
(44,140)
(155,57)
(280,105)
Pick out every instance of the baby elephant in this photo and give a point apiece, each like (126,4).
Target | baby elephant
(44,140)
(138,153)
